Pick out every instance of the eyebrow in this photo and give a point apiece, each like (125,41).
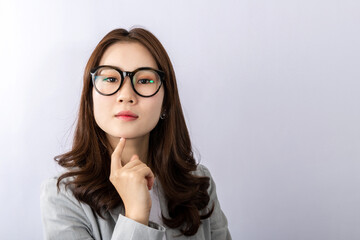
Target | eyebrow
(108,65)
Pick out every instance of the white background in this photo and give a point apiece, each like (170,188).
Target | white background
(270,91)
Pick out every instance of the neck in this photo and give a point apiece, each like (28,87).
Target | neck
(138,146)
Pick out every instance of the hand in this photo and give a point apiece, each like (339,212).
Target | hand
(133,182)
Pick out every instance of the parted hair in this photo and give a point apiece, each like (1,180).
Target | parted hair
(170,153)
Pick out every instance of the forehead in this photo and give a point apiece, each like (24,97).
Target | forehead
(128,56)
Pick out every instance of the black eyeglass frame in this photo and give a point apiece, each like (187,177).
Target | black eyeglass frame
(124,74)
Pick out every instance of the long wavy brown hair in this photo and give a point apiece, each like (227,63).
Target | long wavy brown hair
(170,153)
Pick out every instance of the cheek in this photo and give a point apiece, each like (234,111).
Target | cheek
(101,106)
(157,104)
(154,108)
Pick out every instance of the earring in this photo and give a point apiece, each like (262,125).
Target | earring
(163,115)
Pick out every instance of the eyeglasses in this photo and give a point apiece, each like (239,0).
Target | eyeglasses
(145,81)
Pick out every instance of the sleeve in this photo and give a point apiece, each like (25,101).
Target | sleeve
(127,228)
(64,217)
(218,222)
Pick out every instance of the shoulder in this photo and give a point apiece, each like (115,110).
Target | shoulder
(50,188)
(50,184)
(201,170)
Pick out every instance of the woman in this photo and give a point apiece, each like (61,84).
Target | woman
(131,173)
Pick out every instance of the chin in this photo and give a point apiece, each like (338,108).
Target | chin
(127,135)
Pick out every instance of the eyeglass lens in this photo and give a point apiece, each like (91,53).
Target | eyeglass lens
(145,82)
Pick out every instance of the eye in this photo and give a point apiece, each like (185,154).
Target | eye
(145,81)
(110,79)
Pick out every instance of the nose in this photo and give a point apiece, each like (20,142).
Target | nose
(126,93)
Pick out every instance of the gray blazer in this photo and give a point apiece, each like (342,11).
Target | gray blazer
(64,217)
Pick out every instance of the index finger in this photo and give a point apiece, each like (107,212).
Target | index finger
(116,155)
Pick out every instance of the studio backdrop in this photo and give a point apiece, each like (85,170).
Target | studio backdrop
(270,91)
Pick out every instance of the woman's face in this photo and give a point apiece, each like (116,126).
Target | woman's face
(127,56)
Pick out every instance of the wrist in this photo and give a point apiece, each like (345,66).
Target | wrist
(140,217)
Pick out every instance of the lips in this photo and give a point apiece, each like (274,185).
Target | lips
(126,115)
